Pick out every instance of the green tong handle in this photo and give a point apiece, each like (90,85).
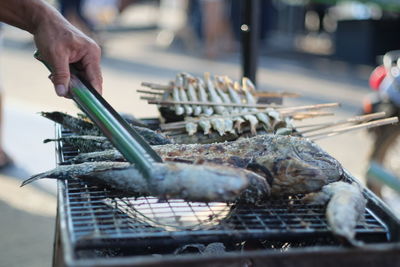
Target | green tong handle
(131,145)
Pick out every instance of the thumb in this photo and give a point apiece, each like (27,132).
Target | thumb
(61,76)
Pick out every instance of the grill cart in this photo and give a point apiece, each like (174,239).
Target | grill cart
(95,227)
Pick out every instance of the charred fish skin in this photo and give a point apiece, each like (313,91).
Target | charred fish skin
(97,156)
(85,143)
(74,124)
(86,128)
(153,137)
(192,182)
(76,170)
(216,183)
(346,207)
(297,165)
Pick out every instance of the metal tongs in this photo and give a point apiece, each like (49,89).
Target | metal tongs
(131,145)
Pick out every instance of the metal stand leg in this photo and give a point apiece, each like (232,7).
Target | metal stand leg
(250,38)
(57,245)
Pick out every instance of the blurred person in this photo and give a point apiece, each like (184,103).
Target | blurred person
(59,43)
(72,10)
(209,24)
(215,25)
(5,160)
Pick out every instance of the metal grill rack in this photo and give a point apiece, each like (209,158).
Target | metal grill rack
(99,221)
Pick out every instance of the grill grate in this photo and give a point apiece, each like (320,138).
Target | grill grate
(98,218)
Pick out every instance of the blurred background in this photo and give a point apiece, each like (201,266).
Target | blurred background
(322,50)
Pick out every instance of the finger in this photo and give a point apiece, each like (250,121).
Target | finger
(94,77)
(90,64)
(61,76)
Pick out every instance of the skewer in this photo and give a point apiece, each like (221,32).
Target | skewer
(311,114)
(149,92)
(355,119)
(290,110)
(275,94)
(181,124)
(376,115)
(156,86)
(366,125)
(152,100)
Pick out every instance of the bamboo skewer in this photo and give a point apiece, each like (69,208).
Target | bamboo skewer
(275,94)
(152,100)
(156,86)
(376,115)
(311,114)
(366,125)
(355,119)
(181,124)
(149,92)
(290,110)
(164,87)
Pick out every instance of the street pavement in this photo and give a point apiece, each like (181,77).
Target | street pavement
(27,214)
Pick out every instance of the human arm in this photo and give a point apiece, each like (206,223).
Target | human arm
(58,41)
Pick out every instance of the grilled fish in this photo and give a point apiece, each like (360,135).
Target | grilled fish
(346,206)
(192,182)
(84,127)
(292,165)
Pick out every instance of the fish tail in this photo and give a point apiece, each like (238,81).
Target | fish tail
(48,140)
(35,178)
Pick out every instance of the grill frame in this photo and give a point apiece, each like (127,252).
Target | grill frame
(68,249)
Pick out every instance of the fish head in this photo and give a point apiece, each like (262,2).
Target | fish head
(294,176)
(313,155)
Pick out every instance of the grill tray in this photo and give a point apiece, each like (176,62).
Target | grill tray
(96,222)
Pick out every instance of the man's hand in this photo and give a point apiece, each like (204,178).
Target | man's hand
(61,44)
(58,42)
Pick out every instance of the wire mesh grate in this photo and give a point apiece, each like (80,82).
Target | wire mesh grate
(99,216)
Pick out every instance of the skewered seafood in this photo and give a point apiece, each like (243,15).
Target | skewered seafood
(183,96)
(190,93)
(262,117)
(238,120)
(203,97)
(213,94)
(292,165)
(191,128)
(193,97)
(345,208)
(205,125)
(179,110)
(192,182)
(249,117)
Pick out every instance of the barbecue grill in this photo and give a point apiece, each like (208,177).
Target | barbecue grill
(97,227)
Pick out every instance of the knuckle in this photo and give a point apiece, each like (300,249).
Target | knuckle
(57,76)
